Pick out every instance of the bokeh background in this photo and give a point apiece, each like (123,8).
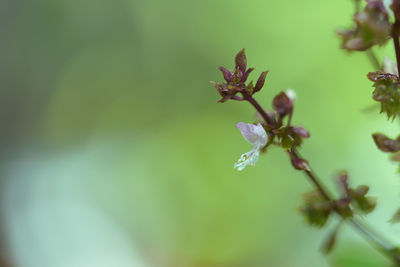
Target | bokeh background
(115,153)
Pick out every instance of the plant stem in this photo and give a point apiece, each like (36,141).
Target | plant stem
(380,243)
(260,110)
(395,36)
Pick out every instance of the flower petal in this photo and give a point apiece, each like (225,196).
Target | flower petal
(249,158)
(255,134)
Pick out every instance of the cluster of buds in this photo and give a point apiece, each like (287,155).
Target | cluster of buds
(372,28)
(236,80)
(272,125)
(317,209)
(262,134)
(387,92)
(356,198)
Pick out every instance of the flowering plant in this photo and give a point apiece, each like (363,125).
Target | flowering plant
(373,27)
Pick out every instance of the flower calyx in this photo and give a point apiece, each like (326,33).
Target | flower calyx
(372,27)
(235,81)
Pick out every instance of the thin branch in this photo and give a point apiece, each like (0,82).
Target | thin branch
(395,36)
(260,110)
(397,49)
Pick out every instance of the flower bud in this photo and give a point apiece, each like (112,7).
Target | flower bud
(236,80)
(302,132)
(283,103)
(387,92)
(386,144)
(260,81)
(372,28)
(241,60)
(227,74)
(300,164)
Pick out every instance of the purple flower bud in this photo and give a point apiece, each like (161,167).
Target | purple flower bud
(227,74)
(283,103)
(246,75)
(386,144)
(241,60)
(302,132)
(300,164)
(260,81)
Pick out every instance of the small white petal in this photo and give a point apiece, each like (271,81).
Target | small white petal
(291,94)
(249,158)
(255,134)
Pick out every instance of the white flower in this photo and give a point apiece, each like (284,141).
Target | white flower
(257,136)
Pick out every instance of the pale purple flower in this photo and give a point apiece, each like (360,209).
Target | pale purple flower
(256,135)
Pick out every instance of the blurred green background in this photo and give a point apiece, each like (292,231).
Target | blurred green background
(115,153)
